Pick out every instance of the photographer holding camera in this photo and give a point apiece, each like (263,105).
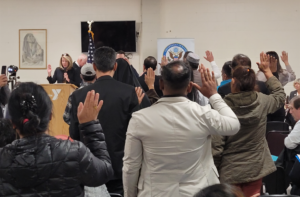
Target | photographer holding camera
(4,92)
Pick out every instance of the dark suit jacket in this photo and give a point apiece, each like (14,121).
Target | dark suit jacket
(76,66)
(156,84)
(226,89)
(58,76)
(293,94)
(119,102)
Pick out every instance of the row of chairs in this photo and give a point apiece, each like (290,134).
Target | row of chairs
(276,132)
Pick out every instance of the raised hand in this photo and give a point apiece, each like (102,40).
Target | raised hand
(164,61)
(273,64)
(139,93)
(209,56)
(150,78)
(49,70)
(285,57)
(209,86)
(3,80)
(127,60)
(264,65)
(90,109)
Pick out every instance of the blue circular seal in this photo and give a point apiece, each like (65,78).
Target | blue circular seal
(175,45)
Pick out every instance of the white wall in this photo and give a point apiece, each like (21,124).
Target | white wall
(225,27)
(62,21)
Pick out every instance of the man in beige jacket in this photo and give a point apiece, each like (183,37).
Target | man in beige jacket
(168,145)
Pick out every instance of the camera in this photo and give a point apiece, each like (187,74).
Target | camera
(12,69)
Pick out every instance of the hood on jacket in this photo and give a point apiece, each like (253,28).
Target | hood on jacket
(244,105)
(29,160)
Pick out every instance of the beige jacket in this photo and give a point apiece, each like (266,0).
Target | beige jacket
(168,147)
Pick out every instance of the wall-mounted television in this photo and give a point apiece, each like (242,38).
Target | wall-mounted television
(120,35)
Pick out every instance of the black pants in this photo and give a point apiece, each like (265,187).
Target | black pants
(115,186)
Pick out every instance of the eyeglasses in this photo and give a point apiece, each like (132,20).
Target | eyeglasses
(65,54)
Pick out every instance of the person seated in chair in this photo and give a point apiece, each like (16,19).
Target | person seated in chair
(293,139)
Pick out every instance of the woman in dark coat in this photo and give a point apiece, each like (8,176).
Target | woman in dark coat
(65,73)
(40,165)
(125,74)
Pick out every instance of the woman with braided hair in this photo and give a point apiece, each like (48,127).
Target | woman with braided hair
(40,165)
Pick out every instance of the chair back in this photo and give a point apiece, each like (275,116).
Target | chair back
(277,126)
(275,141)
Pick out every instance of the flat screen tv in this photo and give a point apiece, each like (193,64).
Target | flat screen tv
(120,35)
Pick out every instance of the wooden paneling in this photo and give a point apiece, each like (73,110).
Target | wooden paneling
(59,94)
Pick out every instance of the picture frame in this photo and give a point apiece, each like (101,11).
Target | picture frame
(33,48)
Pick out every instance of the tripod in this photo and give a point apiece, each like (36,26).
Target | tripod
(13,80)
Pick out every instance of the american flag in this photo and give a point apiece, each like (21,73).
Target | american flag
(91,49)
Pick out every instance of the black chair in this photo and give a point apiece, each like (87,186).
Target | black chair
(277,126)
(275,141)
(275,182)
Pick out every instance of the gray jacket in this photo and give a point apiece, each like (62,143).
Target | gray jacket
(287,75)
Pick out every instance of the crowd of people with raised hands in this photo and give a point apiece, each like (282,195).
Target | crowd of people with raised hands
(180,134)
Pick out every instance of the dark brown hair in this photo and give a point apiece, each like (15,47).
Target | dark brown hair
(274,54)
(296,102)
(220,190)
(245,79)
(240,60)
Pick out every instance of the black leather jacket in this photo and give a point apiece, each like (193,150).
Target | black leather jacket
(45,166)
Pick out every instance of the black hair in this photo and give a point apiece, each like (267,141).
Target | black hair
(194,66)
(7,133)
(150,62)
(240,60)
(104,58)
(274,54)
(88,78)
(245,79)
(30,108)
(227,70)
(176,79)
(186,54)
(220,190)
(296,102)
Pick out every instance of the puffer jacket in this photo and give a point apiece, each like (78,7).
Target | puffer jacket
(246,156)
(42,165)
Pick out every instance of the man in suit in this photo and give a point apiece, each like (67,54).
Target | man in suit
(4,93)
(150,62)
(241,60)
(168,145)
(82,59)
(120,101)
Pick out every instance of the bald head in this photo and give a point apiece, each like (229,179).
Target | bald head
(82,60)
(176,75)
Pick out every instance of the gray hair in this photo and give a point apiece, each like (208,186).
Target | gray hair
(296,81)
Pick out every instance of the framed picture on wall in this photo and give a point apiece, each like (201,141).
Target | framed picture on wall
(33,48)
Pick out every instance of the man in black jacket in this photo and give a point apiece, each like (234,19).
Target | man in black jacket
(120,101)
(150,62)
(241,60)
